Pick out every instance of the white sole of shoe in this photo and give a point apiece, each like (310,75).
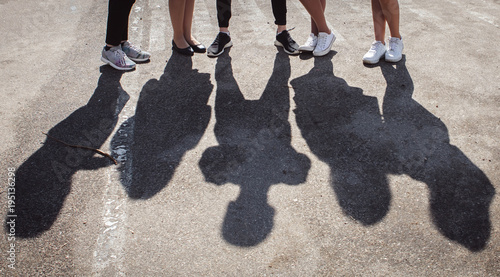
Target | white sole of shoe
(106,61)
(393,60)
(279,44)
(306,48)
(371,61)
(138,60)
(229,44)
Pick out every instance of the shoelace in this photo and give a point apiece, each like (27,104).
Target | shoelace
(216,41)
(133,47)
(289,38)
(120,55)
(322,41)
(393,45)
(374,46)
(311,40)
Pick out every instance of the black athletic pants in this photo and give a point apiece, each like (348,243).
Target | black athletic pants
(118,13)
(224,12)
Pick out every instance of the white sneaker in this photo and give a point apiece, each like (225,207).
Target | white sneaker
(324,45)
(395,51)
(376,52)
(311,42)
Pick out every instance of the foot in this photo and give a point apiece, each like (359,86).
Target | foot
(198,48)
(221,42)
(135,53)
(196,45)
(324,45)
(311,42)
(188,51)
(116,58)
(395,51)
(283,39)
(377,50)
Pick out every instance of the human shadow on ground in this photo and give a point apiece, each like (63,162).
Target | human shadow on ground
(346,130)
(254,150)
(343,128)
(460,193)
(170,118)
(44,180)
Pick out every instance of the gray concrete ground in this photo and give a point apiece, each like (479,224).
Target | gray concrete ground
(254,163)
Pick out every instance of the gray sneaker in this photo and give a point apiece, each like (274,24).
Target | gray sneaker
(117,58)
(135,53)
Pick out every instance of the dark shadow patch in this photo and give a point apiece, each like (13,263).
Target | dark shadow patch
(44,180)
(460,193)
(171,117)
(254,150)
(345,129)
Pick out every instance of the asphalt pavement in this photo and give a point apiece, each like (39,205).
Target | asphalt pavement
(255,163)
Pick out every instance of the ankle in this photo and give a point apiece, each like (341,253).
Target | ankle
(327,31)
(180,42)
(192,41)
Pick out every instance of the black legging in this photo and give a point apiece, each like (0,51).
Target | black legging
(118,13)
(224,12)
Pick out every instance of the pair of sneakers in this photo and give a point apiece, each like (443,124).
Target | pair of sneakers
(223,41)
(124,56)
(393,53)
(319,45)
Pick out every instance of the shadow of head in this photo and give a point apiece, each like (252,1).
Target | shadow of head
(254,150)
(342,127)
(460,193)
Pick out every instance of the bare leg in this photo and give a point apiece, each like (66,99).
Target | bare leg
(378,21)
(176,9)
(390,8)
(314,27)
(316,9)
(188,22)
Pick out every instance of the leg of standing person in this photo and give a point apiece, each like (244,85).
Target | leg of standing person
(177,11)
(223,39)
(390,8)
(316,9)
(181,15)
(188,23)
(119,52)
(283,38)
(312,40)
(385,11)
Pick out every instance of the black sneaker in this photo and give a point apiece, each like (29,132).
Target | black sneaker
(289,45)
(222,41)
